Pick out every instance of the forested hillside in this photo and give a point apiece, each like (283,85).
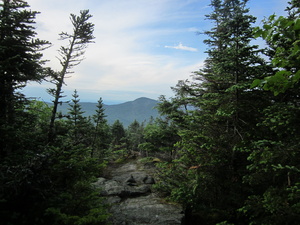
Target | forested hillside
(225,146)
(141,110)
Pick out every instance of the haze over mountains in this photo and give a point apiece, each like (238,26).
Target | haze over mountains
(141,109)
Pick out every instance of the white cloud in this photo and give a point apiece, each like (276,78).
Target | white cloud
(180,46)
(126,58)
(129,56)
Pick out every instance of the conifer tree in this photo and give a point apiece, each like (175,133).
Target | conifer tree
(160,137)
(70,56)
(119,143)
(134,135)
(118,133)
(80,128)
(20,62)
(101,136)
(39,184)
(221,117)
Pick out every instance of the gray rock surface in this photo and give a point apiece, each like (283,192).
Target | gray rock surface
(146,210)
(127,189)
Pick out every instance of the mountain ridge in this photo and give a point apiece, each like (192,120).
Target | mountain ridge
(140,109)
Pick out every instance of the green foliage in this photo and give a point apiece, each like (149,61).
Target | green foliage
(160,137)
(79,128)
(118,133)
(119,144)
(20,62)
(76,201)
(102,136)
(57,179)
(274,169)
(282,34)
(229,150)
(70,56)
(274,160)
(238,156)
(134,135)
(216,117)
(40,182)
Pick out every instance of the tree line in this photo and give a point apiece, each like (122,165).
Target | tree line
(237,157)
(227,143)
(46,164)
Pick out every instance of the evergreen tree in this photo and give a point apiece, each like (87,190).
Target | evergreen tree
(102,136)
(39,183)
(119,144)
(80,128)
(118,132)
(134,135)
(70,56)
(20,62)
(217,116)
(159,138)
(71,197)
(99,117)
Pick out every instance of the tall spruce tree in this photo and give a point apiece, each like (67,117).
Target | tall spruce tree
(101,135)
(222,116)
(20,62)
(134,135)
(80,127)
(70,56)
(118,133)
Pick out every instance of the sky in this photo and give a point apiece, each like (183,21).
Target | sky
(142,47)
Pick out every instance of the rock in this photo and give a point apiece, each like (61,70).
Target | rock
(138,176)
(137,191)
(128,192)
(146,210)
(130,181)
(115,188)
(126,168)
(149,180)
(99,183)
(113,200)
(111,187)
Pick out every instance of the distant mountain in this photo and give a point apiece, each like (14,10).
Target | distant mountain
(141,109)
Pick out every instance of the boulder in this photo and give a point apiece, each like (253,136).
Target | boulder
(130,181)
(112,200)
(146,210)
(121,189)
(128,193)
(149,180)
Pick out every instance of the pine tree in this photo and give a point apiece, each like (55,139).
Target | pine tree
(118,132)
(101,136)
(70,56)
(119,142)
(80,128)
(39,184)
(20,63)
(159,137)
(217,114)
(134,135)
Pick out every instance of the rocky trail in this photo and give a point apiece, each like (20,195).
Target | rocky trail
(128,190)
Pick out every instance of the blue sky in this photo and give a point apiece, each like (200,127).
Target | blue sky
(142,47)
